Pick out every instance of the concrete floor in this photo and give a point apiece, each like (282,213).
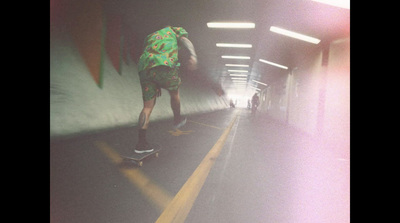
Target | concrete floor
(265,172)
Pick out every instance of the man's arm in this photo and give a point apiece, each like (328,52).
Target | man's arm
(193,57)
(189,45)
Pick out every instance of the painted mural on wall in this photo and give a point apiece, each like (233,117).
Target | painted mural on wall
(95,32)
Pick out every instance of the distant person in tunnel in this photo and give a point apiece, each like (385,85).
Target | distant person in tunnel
(159,68)
(255,101)
(231,104)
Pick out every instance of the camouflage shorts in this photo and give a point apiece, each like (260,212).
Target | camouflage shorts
(156,78)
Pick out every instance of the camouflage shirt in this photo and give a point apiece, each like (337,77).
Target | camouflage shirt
(161,48)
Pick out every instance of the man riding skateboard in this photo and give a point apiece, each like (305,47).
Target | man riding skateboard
(159,68)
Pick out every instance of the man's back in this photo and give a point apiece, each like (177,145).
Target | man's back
(161,48)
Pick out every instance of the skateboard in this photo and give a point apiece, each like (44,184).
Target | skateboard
(138,158)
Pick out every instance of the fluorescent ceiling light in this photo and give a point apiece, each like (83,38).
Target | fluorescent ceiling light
(236,65)
(235,45)
(238,75)
(260,82)
(240,84)
(239,78)
(235,57)
(338,3)
(234,25)
(273,64)
(244,71)
(252,85)
(239,81)
(255,88)
(294,35)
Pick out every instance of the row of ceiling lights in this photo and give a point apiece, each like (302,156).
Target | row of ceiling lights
(237,76)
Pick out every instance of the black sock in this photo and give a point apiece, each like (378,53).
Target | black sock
(142,136)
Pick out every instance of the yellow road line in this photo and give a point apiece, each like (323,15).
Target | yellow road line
(179,207)
(205,124)
(155,194)
(178,132)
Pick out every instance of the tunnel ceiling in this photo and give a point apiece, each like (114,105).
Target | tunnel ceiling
(307,17)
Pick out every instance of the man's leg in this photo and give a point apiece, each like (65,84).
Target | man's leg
(143,124)
(175,104)
(145,113)
(179,121)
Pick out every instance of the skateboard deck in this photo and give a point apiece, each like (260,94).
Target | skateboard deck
(138,158)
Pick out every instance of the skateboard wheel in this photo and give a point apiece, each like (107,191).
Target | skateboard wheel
(140,163)
(157,155)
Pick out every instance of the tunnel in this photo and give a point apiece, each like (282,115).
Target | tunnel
(288,160)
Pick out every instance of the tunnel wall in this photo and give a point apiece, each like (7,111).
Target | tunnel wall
(79,104)
(315,97)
